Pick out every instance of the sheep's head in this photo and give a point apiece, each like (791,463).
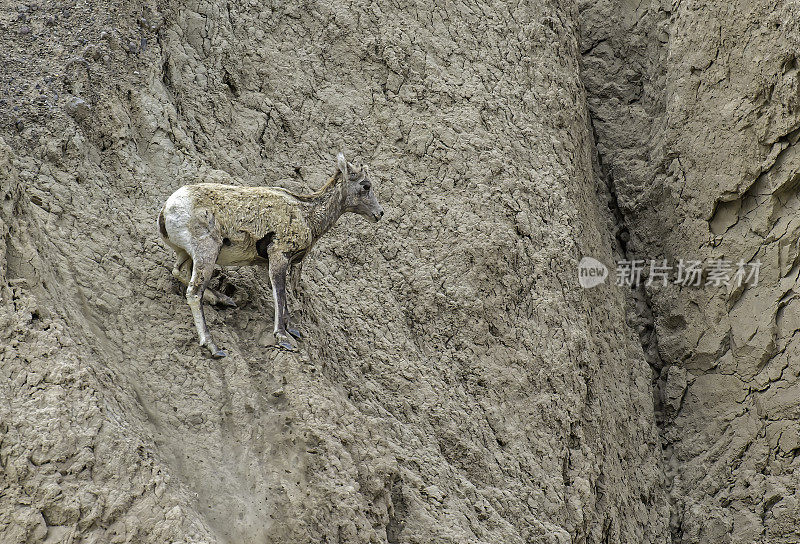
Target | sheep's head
(359,193)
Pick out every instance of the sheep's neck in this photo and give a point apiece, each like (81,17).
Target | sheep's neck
(326,210)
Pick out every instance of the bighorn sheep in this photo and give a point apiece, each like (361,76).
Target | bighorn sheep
(211,223)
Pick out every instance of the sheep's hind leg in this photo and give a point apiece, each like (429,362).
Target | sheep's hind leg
(221,298)
(183,273)
(202,269)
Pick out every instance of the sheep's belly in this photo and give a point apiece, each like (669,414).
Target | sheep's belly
(237,255)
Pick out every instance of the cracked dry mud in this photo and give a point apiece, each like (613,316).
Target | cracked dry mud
(456,384)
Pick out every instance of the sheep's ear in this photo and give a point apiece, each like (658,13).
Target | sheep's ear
(342,164)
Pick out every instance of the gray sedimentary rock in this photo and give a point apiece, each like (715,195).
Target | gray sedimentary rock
(695,112)
(456,384)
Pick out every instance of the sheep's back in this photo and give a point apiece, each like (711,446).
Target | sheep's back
(253,212)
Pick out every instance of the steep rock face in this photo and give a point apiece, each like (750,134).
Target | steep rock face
(456,385)
(695,107)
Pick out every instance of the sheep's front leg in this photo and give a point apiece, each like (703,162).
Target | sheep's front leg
(291,330)
(278,266)
(296,270)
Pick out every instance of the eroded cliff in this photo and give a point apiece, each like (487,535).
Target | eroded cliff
(695,107)
(456,385)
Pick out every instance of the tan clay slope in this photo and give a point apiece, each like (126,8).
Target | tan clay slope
(695,106)
(456,384)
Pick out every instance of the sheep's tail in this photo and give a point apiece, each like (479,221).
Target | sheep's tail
(162,227)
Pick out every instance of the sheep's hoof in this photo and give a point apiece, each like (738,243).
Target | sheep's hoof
(283,342)
(219,354)
(216,298)
(294,332)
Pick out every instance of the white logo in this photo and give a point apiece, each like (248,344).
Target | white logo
(591,272)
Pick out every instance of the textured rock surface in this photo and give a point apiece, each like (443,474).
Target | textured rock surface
(695,108)
(456,385)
